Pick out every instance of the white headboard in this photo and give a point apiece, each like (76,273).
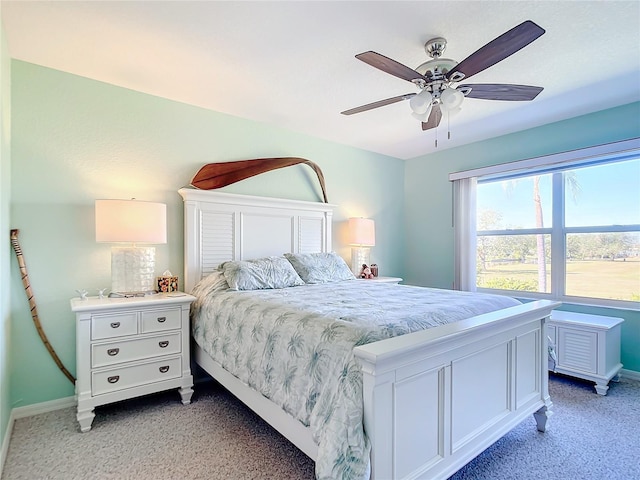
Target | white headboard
(223,226)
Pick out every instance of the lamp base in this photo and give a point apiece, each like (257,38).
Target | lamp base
(132,271)
(359,256)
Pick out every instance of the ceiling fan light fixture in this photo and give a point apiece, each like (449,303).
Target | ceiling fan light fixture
(419,117)
(451,99)
(421,103)
(423,117)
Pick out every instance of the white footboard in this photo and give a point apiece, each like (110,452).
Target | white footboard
(435,399)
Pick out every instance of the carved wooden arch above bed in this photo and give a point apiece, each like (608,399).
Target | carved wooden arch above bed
(226,226)
(217,175)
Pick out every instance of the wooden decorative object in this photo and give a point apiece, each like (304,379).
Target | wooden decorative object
(34,309)
(217,175)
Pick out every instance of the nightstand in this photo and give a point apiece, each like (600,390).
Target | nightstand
(127,347)
(587,346)
(382,279)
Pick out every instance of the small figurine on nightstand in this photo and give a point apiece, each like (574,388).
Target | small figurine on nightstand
(365,272)
(374,269)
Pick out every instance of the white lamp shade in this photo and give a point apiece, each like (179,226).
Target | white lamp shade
(424,117)
(362,231)
(131,221)
(451,99)
(421,102)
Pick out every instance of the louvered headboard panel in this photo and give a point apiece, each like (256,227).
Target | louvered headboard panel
(222,226)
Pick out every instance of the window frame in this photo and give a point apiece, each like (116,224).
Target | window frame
(465,184)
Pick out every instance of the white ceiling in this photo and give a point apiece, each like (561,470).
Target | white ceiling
(292,64)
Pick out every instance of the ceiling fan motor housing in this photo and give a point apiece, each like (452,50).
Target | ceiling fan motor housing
(437,67)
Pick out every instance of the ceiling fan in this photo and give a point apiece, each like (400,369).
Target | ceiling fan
(436,78)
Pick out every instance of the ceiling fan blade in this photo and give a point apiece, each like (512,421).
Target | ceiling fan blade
(434,118)
(497,91)
(497,50)
(379,103)
(390,66)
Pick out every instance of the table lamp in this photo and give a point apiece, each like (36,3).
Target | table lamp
(362,235)
(132,222)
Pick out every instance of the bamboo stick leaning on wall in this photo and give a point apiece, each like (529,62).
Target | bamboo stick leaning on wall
(34,308)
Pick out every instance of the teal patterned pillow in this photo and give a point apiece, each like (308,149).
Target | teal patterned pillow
(320,267)
(261,273)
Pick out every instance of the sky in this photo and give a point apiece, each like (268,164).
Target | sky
(608,195)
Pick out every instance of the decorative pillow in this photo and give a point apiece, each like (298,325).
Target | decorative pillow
(320,267)
(213,282)
(261,273)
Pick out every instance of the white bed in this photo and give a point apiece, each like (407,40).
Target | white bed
(425,412)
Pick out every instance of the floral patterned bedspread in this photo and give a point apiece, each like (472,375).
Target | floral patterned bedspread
(295,346)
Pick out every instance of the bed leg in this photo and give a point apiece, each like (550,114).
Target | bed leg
(541,416)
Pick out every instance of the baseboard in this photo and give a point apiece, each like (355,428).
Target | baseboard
(29,410)
(5,442)
(43,407)
(630,374)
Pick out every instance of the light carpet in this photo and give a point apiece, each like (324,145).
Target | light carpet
(216,437)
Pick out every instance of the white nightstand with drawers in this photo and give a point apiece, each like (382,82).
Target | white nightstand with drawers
(127,347)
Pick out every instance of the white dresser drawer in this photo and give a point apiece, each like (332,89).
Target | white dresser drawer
(158,320)
(122,351)
(114,325)
(128,376)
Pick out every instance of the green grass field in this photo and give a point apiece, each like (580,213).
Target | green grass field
(618,280)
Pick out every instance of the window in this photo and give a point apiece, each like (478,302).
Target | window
(566,230)
(513,245)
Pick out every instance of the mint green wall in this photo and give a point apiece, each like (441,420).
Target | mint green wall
(75,140)
(5,250)
(429,257)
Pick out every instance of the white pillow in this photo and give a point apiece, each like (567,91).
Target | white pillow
(261,273)
(322,267)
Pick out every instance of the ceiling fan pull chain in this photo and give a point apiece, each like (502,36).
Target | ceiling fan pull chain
(448,125)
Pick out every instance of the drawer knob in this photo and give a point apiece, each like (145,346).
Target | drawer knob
(115,324)
(113,379)
(164,343)
(162,319)
(164,369)
(112,352)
